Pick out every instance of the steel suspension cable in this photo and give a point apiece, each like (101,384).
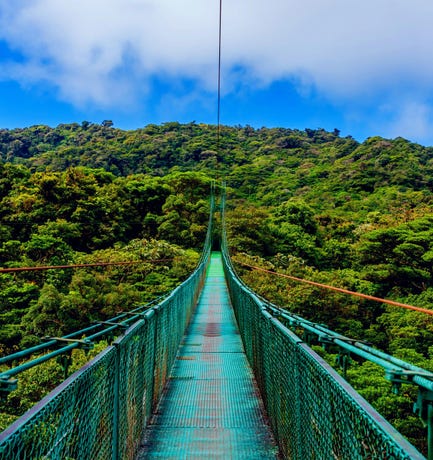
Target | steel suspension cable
(219,74)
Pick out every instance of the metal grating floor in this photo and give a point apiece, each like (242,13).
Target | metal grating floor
(210,408)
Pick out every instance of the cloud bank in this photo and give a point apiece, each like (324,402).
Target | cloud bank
(109,52)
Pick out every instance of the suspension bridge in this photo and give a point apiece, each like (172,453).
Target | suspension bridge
(210,371)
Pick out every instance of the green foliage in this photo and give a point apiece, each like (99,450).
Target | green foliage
(248,229)
(82,215)
(306,203)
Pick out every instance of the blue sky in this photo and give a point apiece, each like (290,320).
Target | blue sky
(362,67)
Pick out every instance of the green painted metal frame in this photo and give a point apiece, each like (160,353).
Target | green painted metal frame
(101,410)
(98,331)
(397,371)
(314,412)
(210,407)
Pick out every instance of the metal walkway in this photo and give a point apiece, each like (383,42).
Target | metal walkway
(210,408)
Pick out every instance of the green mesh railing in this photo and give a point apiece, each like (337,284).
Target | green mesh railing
(101,410)
(314,413)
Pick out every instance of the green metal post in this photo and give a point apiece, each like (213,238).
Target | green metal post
(430,431)
(115,449)
(155,350)
(298,392)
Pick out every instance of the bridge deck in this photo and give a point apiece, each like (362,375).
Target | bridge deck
(210,408)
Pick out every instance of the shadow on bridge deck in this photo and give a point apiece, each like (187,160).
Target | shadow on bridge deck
(210,408)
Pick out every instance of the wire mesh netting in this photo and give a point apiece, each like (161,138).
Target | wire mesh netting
(135,389)
(74,421)
(314,413)
(101,410)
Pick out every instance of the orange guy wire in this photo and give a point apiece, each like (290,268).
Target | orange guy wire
(344,291)
(58,267)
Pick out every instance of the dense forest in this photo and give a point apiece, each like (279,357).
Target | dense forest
(307,203)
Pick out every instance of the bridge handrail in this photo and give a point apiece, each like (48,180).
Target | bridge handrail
(8,383)
(393,366)
(313,411)
(76,334)
(397,371)
(101,410)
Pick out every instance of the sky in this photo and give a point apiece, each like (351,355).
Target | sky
(363,67)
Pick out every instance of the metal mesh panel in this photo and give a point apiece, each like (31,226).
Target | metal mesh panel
(101,411)
(73,422)
(338,421)
(172,317)
(210,408)
(314,413)
(135,365)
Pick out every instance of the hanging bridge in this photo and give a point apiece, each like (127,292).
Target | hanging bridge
(211,371)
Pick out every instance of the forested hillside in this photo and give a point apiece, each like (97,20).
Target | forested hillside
(307,203)
(311,202)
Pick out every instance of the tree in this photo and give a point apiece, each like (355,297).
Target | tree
(107,123)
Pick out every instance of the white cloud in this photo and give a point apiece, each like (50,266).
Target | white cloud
(107,51)
(104,51)
(343,46)
(412,120)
